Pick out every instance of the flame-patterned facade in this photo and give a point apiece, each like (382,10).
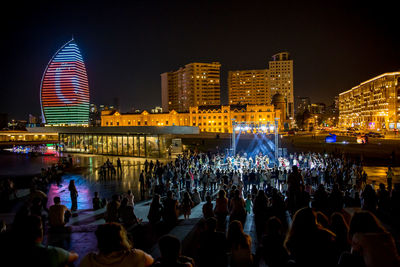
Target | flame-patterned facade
(64,91)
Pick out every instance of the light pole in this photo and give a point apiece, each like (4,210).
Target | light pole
(276,139)
(233,143)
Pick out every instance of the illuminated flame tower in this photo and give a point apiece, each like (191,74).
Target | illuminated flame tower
(64,90)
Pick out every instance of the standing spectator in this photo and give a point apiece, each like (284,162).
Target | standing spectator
(119,165)
(261,213)
(196,197)
(237,207)
(308,243)
(141,181)
(213,246)
(221,210)
(294,181)
(170,210)
(155,210)
(74,195)
(208,208)
(389,178)
(111,214)
(115,249)
(240,245)
(186,205)
(272,250)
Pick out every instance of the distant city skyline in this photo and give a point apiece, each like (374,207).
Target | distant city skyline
(334,46)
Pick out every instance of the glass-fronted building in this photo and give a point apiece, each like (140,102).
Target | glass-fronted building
(150,141)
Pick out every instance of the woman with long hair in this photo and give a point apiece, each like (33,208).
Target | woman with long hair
(74,195)
(237,207)
(115,249)
(221,209)
(371,244)
(308,243)
(240,245)
(186,205)
(155,211)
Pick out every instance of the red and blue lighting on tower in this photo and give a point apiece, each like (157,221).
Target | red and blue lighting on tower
(64,91)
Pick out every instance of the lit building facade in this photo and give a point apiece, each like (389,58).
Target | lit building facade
(64,90)
(195,84)
(281,79)
(249,87)
(372,105)
(211,118)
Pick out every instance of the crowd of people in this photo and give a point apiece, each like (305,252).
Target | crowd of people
(296,204)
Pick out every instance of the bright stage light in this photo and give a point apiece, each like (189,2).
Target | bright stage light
(271,128)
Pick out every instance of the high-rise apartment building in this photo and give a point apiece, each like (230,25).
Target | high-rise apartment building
(249,87)
(373,104)
(281,79)
(195,84)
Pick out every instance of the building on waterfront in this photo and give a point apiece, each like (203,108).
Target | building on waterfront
(373,104)
(64,89)
(120,141)
(193,85)
(249,87)
(281,79)
(210,118)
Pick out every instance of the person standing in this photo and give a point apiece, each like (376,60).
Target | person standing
(389,178)
(119,165)
(141,181)
(74,195)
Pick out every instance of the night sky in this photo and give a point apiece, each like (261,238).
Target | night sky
(335,45)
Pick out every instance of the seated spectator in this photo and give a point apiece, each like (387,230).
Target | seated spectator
(58,214)
(170,248)
(36,193)
(371,244)
(213,246)
(240,245)
(208,211)
(34,253)
(131,198)
(155,210)
(97,202)
(111,214)
(272,250)
(308,243)
(126,214)
(196,197)
(115,249)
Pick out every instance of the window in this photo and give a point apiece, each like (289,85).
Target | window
(117,123)
(138,123)
(145,123)
(111,123)
(106,123)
